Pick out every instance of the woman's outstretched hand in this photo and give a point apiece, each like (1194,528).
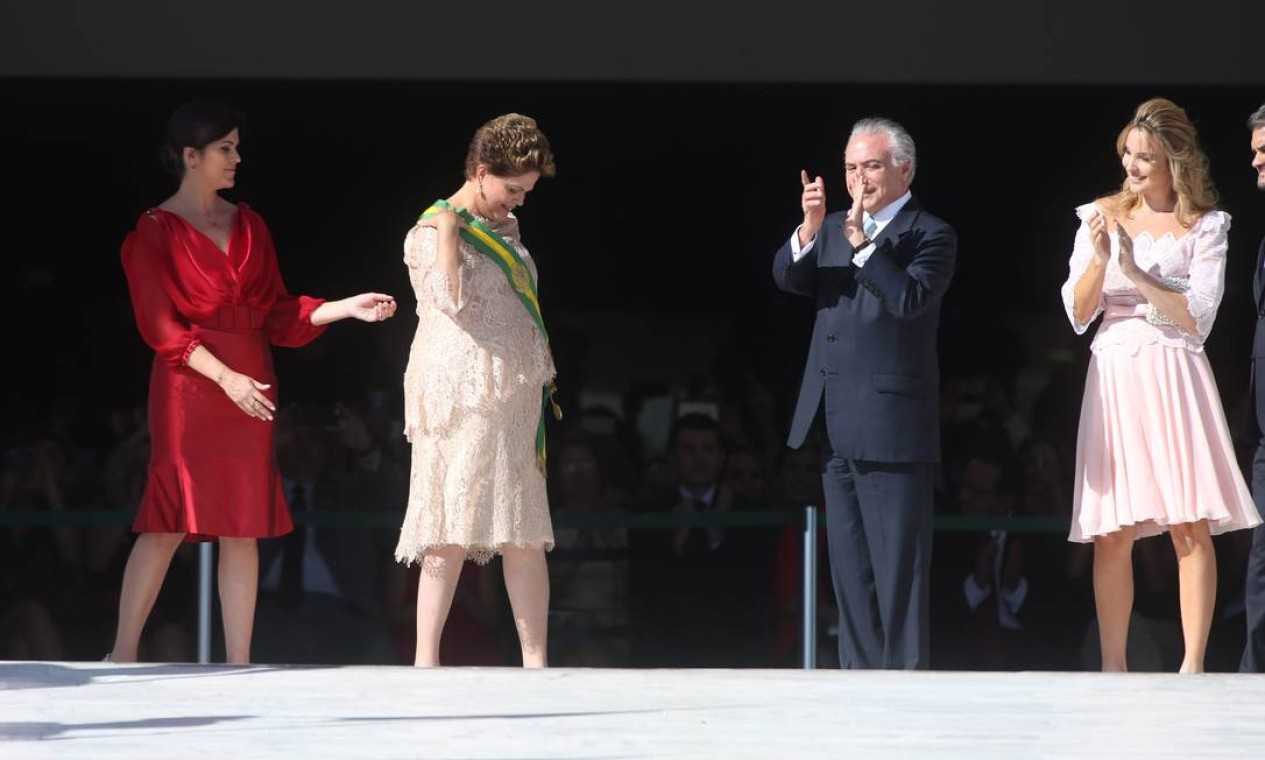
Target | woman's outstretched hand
(370,307)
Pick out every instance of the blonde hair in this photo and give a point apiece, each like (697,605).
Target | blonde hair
(1168,128)
(509,146)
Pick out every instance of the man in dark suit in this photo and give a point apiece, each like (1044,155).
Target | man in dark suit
(699,595)
(323,590)
(877,273)
(1254,591)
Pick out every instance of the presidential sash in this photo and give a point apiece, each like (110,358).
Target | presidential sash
(487,242)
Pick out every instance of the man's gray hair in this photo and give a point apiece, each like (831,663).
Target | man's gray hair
(1256,120)
(901,144)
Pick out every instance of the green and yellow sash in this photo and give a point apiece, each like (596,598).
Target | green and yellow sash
(490,244)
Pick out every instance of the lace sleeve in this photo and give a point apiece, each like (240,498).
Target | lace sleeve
(421,248)
(1082,254)
(1207,269)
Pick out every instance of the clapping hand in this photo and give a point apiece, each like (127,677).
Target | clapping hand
(1128,265)
(1098,236)
(854,223)
(371,307)
(813,203)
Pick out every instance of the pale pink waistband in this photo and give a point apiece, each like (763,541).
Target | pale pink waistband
(1125,310)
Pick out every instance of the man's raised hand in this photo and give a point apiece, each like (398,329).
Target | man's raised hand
(813,202)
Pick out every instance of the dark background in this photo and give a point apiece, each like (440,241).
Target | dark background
(669,202)
(680,130)
(913,41)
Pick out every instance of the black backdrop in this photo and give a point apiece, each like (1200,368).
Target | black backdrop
(680,132)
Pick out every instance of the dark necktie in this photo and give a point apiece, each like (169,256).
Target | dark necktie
(715,536)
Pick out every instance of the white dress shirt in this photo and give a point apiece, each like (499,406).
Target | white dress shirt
(706,499)
(316,573)
(1008,602)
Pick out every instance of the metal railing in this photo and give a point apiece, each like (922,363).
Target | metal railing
(812,517)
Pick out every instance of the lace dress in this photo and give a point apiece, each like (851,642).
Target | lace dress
(1153,447)
(471,407)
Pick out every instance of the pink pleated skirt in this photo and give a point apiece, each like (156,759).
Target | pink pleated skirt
(1154,449)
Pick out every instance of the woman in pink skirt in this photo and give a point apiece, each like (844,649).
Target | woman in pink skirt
(1153,451)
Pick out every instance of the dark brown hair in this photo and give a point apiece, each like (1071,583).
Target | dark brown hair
(196,124)
(509,146)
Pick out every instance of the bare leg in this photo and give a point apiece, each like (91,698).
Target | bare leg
(1197,572)
(441,569)
(239,585)
(1113,595)
(142,580)
(527,581)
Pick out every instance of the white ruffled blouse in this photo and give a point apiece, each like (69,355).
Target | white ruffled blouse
(1193,263)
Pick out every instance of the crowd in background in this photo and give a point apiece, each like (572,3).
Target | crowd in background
(719,595)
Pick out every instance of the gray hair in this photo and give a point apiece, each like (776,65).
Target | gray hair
(1256,120)
(898,140)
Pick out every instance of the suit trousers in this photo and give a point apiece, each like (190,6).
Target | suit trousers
(1254,584)
(878,526)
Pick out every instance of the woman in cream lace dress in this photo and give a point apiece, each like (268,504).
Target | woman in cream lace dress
(1153,451)
(473,392)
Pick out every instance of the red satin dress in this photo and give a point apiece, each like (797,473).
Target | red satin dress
(213,471)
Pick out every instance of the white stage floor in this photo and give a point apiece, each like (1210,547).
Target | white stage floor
(77,710)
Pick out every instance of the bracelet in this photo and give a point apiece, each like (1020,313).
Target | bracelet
(865,243)
(1155,316)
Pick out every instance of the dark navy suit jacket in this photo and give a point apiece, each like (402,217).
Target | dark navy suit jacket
(1258,340)
(873,356)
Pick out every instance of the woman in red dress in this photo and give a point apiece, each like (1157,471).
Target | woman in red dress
(209,300)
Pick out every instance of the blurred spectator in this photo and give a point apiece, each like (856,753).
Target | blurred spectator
(168,635)
(746,476)
(588,568)
(796,486)
(323,589)
(1043,491)
(37,563)
(998,605)
(698,591)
